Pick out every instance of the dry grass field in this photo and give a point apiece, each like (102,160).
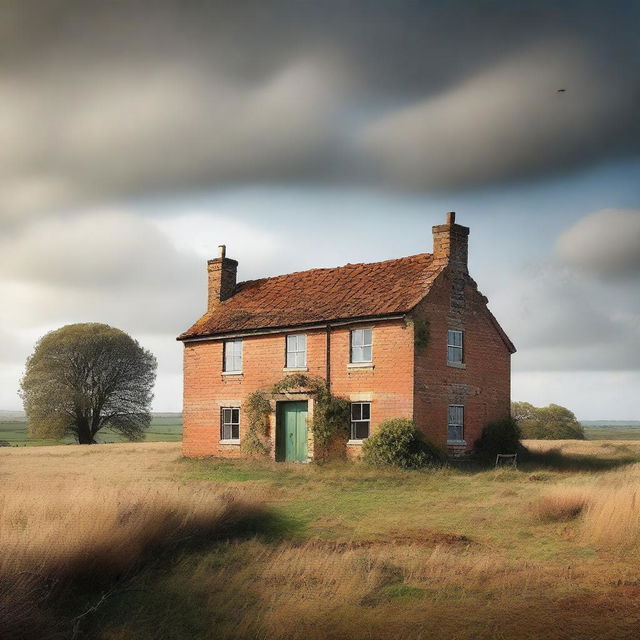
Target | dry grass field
(131,541)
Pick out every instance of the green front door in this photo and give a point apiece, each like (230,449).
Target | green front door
(291,432)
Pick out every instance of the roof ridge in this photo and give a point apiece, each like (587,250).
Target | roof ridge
(342,266)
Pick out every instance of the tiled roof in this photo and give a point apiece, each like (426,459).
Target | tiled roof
(319,295)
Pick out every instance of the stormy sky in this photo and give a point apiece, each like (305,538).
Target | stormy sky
(136,136)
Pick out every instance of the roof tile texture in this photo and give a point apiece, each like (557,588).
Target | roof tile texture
(320,295)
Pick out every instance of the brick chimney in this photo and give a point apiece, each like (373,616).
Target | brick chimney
(451,244)
(222,277)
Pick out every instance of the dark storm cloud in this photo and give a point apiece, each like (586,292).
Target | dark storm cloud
(102,100)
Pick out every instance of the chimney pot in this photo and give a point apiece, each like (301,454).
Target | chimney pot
(451,217)
(222,251)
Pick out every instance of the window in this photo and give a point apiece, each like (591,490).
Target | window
(233,356)
(297,351)
(456,423)
(454,346)
(360,420)
(361,341)
(230,423)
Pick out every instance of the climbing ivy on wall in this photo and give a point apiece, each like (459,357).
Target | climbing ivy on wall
(331,414)
(257,409)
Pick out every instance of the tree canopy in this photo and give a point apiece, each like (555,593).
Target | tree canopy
(83,377)
(546,423)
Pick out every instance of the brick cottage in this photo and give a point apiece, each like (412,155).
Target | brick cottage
(411,337)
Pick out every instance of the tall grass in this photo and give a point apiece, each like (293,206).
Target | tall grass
(93,535)
(559,504)
(612,520)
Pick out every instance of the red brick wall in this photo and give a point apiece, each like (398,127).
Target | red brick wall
(388,385)
(401,383)
(483,386)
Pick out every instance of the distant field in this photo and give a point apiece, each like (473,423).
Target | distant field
(612,430)
(167,427)
(164,428)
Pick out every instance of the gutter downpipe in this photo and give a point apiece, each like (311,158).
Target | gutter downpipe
(328,357)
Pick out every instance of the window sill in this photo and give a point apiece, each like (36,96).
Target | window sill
(361,365)
(457,365)
(456,443)
(232,442)
(357,443)
(296,369)
(232,373)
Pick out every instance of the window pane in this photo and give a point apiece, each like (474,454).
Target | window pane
(301,359)
(366,354)
(291,359)
(366,411)
(360,430)
(356,337)
(455,433)
(235,432)
(366,336)
(235,415)
(302,342)
(356,354)
(356,411)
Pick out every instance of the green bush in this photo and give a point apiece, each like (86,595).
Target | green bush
(397,443)
(501,436)
(546,423)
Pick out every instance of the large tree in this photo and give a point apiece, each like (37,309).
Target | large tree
(546,423)
(83,377)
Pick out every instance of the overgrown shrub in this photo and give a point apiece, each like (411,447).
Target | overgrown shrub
(501,436)
(398,443)
(546,423)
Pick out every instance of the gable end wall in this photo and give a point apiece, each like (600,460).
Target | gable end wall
(483,386)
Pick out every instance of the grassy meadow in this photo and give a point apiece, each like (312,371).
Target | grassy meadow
(165,427)
(133,541)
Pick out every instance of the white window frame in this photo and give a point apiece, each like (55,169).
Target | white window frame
(359,421)
(457,348)
(296,358)
(231,361)
(362,346)
(455,423)
(227,424)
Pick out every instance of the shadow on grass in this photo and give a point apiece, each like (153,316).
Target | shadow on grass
(550,460)
(555,460)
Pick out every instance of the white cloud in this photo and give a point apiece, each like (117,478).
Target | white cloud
(604,244)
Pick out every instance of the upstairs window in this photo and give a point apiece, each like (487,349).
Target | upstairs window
(361,345)
(297,351)
(454,346)
(360,420)
(233,356)
(230,423)
(455,432)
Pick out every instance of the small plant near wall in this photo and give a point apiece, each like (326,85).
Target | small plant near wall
(421,332)
(398,443)
(257,409)
(331,414)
